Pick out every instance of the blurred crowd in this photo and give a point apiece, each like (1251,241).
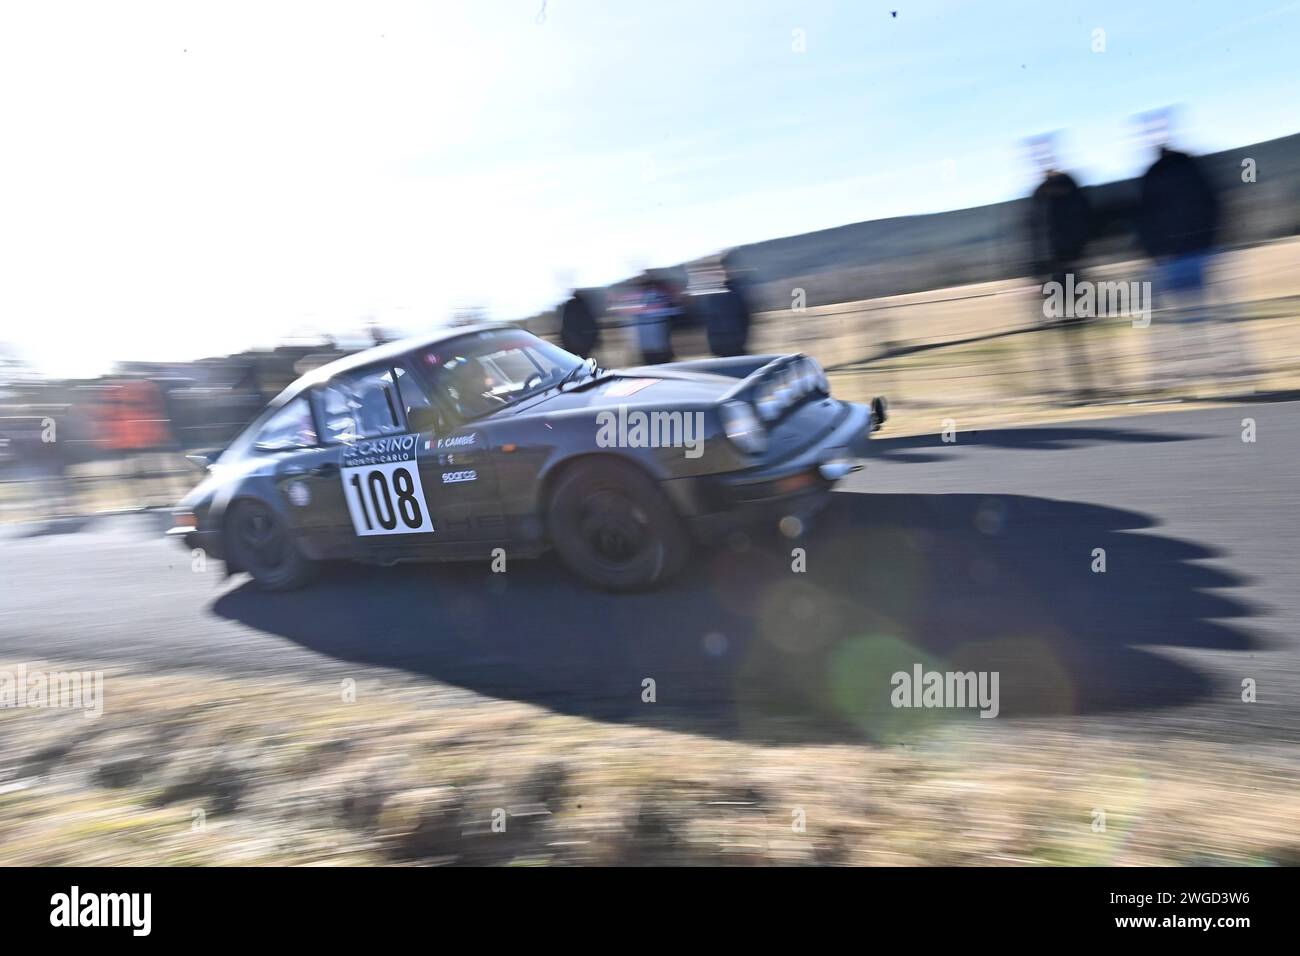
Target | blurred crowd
(133,425)
(1176,220)
(649,310)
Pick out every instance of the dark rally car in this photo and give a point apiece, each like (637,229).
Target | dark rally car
(487,438)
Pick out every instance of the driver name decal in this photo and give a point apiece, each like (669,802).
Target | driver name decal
(381,483)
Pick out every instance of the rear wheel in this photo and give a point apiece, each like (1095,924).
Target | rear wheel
(258,542)
(614,528)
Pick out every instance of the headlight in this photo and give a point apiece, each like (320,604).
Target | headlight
(789,385)
(771,399)
(796,382)
(743,428)
(805,376)
(820,383)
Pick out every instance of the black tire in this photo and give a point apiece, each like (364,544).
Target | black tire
(614,528)
(258,542)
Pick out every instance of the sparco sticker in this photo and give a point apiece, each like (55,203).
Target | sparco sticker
(381,481)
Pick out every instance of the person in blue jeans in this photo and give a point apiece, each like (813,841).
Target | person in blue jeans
(655,311)
(1178,223)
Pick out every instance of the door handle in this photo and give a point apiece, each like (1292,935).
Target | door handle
(319,471)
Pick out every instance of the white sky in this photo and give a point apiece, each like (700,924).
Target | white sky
(180,179)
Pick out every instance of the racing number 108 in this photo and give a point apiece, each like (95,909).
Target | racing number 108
(408,506)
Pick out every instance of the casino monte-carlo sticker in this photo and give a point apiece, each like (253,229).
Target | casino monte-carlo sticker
(381,481)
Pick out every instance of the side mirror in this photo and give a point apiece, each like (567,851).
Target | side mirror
(203,460)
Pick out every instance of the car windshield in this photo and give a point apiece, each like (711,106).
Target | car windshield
(481,373)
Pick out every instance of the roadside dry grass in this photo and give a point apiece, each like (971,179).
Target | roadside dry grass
(191,769)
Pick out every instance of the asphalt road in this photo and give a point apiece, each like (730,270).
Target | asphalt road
(976,554)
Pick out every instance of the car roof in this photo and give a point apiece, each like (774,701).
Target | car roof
(388,351)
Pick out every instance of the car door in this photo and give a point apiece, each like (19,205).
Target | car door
(404,494)
(456,468)
(305,476)
(309,481)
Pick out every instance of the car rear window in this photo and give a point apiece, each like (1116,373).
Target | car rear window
(290,427)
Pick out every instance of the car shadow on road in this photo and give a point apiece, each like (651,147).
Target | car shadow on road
(743,645)
(918,449)
(54,526)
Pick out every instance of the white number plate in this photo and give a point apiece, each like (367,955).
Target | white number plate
(381,482)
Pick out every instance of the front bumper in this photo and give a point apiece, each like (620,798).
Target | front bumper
(798,486)
(192,537)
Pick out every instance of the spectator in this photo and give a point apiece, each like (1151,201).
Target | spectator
(728,318)
(654,314)
(1178,216)
(579,331)
(1059,220)
(1058,225)
(1177,226)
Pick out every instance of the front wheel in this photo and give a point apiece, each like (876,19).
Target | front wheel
(614,528)
(259,543)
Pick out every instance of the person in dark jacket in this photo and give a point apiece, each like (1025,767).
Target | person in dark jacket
(579,332)
(728,318)
(1178,222)
(1059,215)
(1177,225)
(1059,227)
(1178,211)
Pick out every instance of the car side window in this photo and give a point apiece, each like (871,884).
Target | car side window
(477,374)
(421,413)
(360,404)
(290,427)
